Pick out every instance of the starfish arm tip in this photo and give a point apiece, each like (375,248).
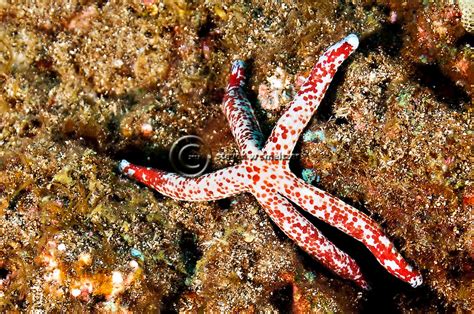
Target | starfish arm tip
(353,40)
(416,281)
(237,75)
(122,165)
(364,285)
(238,64)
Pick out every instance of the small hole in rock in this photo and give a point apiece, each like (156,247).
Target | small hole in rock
(224,203)
(3,273)
(282,299)
(191,254)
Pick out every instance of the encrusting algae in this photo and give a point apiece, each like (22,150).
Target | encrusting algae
(84,84)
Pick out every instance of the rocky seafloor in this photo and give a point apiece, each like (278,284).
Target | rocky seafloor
(84,84)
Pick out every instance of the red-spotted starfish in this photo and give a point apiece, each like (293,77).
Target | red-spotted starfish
(264,173)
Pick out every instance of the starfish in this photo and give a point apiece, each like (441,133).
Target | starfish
(264,172)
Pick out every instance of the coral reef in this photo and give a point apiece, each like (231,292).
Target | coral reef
(436,43)
(406,161)
(84,84)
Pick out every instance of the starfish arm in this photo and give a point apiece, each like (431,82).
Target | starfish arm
(351,221)
(239,113)
(220,184)
(286,132)
(309,238)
